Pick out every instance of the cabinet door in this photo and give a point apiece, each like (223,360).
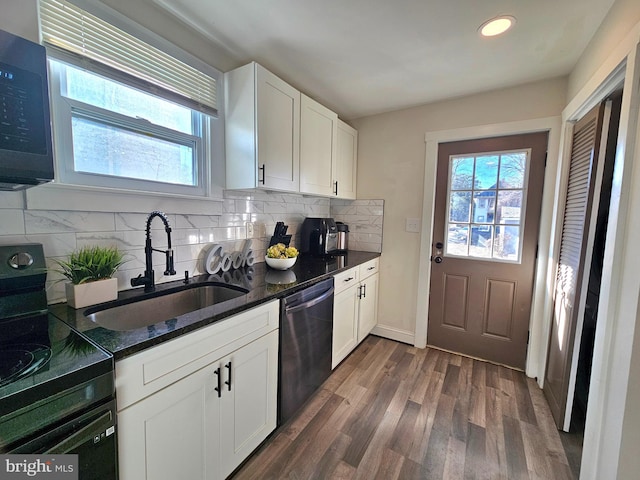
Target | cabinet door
(318,133)
(173,434)
(346,161)
(368,315)
(249,400)
(278,132)
(345,324)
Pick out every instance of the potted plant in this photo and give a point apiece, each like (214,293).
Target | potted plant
(90,271)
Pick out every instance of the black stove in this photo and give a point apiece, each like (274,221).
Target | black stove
(55,384)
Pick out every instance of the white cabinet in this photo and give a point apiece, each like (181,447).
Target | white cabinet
(368,295)
(355,308)
(197,406)
(345,315)
(262,130)
(318,135)
(346,161)
(248,401)
(279,139)
(172,434)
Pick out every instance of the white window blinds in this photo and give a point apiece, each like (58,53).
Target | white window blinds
(67,27)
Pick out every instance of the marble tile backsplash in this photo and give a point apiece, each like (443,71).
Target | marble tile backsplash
(364,218)
(61,232)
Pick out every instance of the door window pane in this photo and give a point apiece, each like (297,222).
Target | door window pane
(459,206)
(484,206)
(487,194)
(481,240)
(462,173)
(486,172)
(458,239)
(506,244)
(512,170)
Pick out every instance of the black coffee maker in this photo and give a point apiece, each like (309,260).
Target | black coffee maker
(319,236)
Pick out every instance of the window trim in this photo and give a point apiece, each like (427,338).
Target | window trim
(58,196)
(63,114)
(493,224)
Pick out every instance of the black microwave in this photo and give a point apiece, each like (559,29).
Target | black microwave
(26,156)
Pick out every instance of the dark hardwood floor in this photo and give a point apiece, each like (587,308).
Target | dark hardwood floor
(392,411)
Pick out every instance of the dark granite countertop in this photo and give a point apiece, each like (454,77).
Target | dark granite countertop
(263,284)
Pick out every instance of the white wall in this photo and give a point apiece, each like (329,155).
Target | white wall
(622,17)
(391,158)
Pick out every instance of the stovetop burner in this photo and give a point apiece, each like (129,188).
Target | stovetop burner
(48,371)
(19,361)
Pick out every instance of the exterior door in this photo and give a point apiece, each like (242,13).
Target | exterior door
(487,211)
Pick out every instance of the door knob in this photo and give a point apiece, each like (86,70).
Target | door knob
(438,259)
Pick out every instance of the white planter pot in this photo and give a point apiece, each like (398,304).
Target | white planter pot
(91,293)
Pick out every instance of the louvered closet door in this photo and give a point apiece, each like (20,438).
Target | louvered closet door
(582,183)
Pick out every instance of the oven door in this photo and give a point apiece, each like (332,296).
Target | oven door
(92,436)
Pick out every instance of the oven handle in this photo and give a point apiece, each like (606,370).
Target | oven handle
(81,436)
(310,303)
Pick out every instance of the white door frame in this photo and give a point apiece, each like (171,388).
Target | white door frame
(541,303)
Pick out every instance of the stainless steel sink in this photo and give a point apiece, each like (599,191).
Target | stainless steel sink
(161,307)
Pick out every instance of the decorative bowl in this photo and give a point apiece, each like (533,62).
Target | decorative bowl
(280,263)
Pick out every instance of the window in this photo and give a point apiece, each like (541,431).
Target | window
(126,114)
(486,196)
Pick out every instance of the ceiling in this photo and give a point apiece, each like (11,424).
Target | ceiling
(362,57)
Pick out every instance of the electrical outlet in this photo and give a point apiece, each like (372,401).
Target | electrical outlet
(412,225)
(250,229)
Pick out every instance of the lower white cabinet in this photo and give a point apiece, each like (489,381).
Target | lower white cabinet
(345,324)
(355,308)
(206,422)
(174,433)
(368,314)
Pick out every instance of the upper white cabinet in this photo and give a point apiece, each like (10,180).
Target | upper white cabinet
(262,130)
(346,165)
(318,148)
(280,139)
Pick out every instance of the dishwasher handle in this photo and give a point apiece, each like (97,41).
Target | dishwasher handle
(309,303)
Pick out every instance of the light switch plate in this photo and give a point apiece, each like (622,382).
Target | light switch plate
(412,225)
(250,230)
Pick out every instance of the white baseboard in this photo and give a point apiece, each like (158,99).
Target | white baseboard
(392,333)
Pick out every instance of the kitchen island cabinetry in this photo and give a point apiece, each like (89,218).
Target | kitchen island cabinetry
(355,310)
(197,406)
(318,136)
(262,130)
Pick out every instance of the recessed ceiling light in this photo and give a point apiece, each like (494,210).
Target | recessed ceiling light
(497,25)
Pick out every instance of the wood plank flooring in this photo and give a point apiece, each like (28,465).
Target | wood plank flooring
(391,411)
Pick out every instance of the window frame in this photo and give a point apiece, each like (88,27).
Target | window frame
(490,226)
(118,196)
(63,109)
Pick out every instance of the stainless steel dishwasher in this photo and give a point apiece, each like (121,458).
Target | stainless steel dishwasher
(306,331)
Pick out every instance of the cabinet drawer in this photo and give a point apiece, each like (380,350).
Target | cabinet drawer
(147,372)
(345,279)
(369,268)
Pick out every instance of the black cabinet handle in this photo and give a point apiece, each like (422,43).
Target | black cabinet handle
(348,279)
(219,387)
(263,174)
(228,382)
(336,184)
(364,290)
(360,291)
